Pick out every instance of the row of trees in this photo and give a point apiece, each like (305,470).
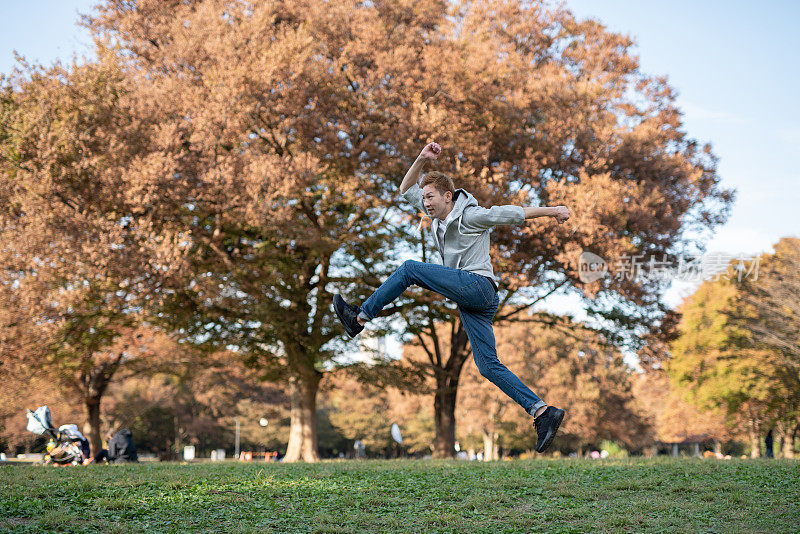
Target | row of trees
(737,347)
(198,403)
(221,169)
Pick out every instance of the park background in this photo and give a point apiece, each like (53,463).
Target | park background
(177,214)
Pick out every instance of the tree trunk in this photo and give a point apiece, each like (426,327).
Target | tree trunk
(95,383)
(91,427)
(787,451)
(176,442)
(303,388)
(755,444)
(490,435)
(754,423)
(444,402)
(444,415)
(490,448)
(788,442)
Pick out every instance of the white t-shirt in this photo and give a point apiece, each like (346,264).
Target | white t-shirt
(440,236)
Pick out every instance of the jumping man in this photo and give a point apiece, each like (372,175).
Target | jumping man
(461,232)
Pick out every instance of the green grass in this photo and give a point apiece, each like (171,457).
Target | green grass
(686,495)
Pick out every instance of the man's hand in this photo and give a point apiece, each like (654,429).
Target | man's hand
(561,213)
(431,151)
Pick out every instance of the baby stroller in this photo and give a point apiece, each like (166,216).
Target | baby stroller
(66,445)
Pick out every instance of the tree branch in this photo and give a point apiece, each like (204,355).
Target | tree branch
(518,309)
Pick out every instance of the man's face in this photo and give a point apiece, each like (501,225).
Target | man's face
(436,204)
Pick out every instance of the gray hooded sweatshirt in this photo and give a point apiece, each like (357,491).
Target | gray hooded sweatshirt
(466,230)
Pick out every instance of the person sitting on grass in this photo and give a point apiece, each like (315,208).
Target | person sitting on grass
(121,448)
(461,231)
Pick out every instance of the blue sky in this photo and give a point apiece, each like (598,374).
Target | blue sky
(734,64)
(736,70)
(42,30)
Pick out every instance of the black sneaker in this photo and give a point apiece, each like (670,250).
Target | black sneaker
(546,426)
(347,315)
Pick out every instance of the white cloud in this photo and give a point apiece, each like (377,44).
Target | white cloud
(741,240)
(700,113)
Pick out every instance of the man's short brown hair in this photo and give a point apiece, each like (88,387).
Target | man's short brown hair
(441,181)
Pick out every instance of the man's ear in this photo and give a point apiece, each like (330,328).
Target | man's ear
(448,196)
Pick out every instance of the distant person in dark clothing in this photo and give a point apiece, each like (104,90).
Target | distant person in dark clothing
(120,448)
(769,441)
(85,449)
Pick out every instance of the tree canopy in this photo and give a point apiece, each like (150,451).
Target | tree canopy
(223,168)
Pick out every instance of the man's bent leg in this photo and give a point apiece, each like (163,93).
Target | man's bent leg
(481,336)
(443,280)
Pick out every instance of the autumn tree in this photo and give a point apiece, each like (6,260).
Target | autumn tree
(571,366)
(196,402)
(484,414)
(561,116)
(363,402)
(771,314)
(272,195)
(83,258)
(275,134)
(734,351)
(192,401)
(414,414)
(673,418)
(287,115)
(360,412)
(307,117)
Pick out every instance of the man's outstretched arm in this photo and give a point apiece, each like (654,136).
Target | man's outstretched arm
(429,153)
(559,213)
(476,218)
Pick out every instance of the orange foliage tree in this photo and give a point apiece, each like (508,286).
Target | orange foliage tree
(570,366)
(533,106)
(83,257)
(250,154)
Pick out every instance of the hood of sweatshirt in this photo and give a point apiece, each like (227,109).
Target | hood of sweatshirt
(461,200)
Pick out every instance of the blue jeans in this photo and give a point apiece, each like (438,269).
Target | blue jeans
(477,303)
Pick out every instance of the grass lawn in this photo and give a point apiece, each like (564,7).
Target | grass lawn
(661,495)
